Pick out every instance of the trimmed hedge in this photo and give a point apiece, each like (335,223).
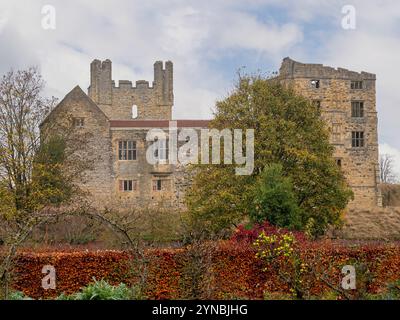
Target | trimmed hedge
(223,270)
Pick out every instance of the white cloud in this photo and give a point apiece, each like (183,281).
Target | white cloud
(196,36)
(240,30)
(134,34)
(185,31)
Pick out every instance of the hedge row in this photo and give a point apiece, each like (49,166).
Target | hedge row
(224,270)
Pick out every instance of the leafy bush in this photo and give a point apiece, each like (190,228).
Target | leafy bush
(19,295)
(250,233)
(392,292)
(275,200)
(100,290)
(279,253)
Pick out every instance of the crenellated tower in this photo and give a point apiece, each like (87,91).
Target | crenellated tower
(117,102)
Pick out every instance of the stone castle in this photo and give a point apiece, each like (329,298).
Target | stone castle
(119,117)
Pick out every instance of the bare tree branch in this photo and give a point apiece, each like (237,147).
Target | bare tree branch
(386,167)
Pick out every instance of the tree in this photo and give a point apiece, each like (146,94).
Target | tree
(41,171)
(386,169)
(275,200)
(35,168)
(288,131)
(38,168)
(22,109)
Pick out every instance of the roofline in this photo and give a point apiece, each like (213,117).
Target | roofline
(62,101)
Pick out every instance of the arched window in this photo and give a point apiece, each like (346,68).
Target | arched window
(134,111)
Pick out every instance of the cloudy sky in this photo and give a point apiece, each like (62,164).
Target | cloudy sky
(208,41)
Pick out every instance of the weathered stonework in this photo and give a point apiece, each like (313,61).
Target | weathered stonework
(335,96)
(107,114)
(97,149)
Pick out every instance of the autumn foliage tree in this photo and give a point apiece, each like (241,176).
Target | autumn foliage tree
(33,166)
(289,131)
(36,167)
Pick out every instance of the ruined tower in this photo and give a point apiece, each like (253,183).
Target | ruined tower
(347,101)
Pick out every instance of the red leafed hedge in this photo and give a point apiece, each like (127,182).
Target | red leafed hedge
(223,270)
(73,270)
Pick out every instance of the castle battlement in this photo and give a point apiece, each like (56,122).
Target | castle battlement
(142,84)
(127,84)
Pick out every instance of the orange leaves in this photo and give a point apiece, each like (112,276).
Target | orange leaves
(231,269)
(73,270)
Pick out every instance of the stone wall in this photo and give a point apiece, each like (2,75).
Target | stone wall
(139,170)
(96,148)
(175,178)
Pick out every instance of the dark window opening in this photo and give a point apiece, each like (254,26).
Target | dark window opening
(127,150)
(315,84)
(356,85)
(357,139)
(357,109)
(127,185)
(157,185)
(317,104)
(79,122)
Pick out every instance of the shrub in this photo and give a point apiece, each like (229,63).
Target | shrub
(100,290)
(279,253)
(228,270)
(275,200)
(392,292)
(250,233)
(19,295)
